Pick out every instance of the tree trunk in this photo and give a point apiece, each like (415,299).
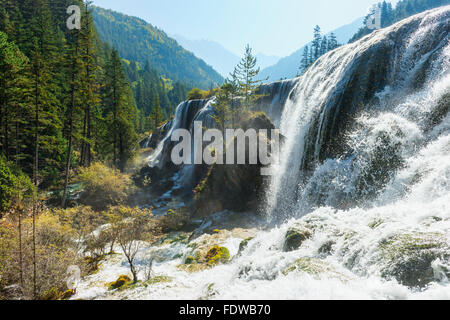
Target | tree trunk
(115,119)
(121,154)
(20,249)
(133,272)
(6,133)
(35,175)
(72,108)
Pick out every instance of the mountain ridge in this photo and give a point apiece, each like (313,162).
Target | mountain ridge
(140,41)
(288,66)
(216,55)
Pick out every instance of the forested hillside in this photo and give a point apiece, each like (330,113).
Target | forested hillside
(67,95)
(64,94)
(155,96)
(139,41)
(403,9)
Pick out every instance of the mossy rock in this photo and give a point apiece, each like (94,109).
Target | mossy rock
(326,248)
(174,237)
(157,279)
(408,257)
(189,260)
(243,245)
(193,268)
(68,294)
(93,264)
(51,294)
(308,265)
(119,283)
(440,112)
(217,255)
(295,237)
(211,292)
(376,223)
(315,267)
(150,282)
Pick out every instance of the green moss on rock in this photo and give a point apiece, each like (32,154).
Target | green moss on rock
(217,255)
(408,257)
(158,279)
(315,267)
(244,244)
(192,268)
(295,237)
(68,294)
(189,260)
(119,283)
(308,265)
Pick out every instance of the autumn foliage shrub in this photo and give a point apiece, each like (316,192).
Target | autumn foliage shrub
(173,221)
(104,187)
(14,185)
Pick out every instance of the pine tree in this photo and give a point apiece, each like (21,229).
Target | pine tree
(156,116)
(305,63)
(47,124)
(127,128)
(222,107)
(89,84)
(332,42)
(316,43)
(74,68)
(324,46)
(115,87)
(386,14)
(12,63)
(120,112)
(47,84)
(245,74)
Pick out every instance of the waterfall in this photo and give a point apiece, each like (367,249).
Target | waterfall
(183,119)
(326,161)
(274,96)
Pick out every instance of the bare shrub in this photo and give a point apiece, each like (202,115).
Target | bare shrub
(131,232)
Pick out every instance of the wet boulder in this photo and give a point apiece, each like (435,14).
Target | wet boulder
(235,187)
(295,237)
(409,258)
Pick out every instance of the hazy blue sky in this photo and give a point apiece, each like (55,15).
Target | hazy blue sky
(273,27)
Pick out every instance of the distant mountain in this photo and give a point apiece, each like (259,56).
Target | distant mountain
(219,57)
(266,61)
(288,67)
(137,40)
(212,52)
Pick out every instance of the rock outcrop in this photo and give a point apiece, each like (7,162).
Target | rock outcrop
(233,187)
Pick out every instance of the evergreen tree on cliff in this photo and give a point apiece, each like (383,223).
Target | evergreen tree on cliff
(245,75)
(316,45)
(305,63)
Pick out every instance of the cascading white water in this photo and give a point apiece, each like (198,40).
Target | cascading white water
(184,114)
(378,214)
(319,88)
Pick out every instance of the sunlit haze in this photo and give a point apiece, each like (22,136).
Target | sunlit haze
(271,27)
